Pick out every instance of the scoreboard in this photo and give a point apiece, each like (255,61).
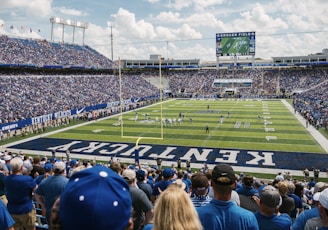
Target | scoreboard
(235,44)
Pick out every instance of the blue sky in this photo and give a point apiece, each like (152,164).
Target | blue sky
(175,29)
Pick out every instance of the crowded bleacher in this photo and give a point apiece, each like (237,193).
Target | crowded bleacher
(41,53)
(79,194)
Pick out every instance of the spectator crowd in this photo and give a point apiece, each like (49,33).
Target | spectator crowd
(30,96)
(26,96)
(40,53)
(41,193)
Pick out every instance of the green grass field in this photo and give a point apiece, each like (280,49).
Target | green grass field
(241,130)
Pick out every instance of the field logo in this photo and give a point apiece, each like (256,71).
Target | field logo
(235,157)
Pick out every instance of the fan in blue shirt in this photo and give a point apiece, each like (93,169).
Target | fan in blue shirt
(221,212)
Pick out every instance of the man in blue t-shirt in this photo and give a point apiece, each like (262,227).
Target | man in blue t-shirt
(19,190)
(221,212)
(247,188)
(267,217)
(51,188)
(163,184)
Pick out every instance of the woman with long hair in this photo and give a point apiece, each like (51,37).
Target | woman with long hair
(174,211)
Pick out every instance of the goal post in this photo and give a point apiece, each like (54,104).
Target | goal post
(138,138)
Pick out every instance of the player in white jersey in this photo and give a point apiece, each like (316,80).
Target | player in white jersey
(169,120)
(164,121)
(221,119)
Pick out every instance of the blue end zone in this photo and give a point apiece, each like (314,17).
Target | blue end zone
(235,157)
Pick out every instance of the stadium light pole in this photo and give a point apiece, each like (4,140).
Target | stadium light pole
(167,50)
(63,32)
(68,22)
(52,29)
(111,42)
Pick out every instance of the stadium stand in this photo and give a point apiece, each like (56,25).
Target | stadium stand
(41,53)
(25,96)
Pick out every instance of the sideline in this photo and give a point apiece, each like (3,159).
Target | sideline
(2,147)
(313,131)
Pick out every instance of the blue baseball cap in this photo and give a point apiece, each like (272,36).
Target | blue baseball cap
(95,198)
(48,167)
(140,174)
(167,172)
(73,162)
(132,167)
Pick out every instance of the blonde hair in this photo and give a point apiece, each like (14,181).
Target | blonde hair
(283,187)
(175,211)
(291,187)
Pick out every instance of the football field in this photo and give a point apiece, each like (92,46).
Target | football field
(262,136)
(238,124)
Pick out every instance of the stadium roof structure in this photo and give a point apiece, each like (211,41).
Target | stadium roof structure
(309,60)
(164,63)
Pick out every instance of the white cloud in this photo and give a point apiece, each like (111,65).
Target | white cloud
(193,51)
(99,39)
(73,12)
(169,17)
(186,32)
(30,8)
(197,20)
(258,19)
(302,15)
(197,4)
(165,33)
(132,35)
(179,4)
(203,4)
(177,28)
(205,19)
(127,24)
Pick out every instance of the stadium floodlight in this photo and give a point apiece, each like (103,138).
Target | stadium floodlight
(68,22)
